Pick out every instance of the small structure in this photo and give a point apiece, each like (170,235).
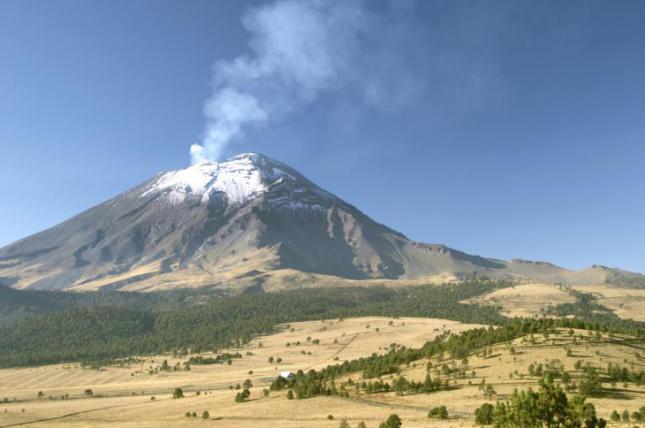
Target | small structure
(286,375)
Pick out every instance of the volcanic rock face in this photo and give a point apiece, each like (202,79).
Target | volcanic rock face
(227,224)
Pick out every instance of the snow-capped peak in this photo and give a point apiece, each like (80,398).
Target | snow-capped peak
(239,178)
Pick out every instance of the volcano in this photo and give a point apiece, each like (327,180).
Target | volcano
(246,223)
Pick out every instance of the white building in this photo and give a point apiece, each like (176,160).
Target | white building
(286,375)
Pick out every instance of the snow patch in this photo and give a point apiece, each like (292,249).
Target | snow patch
(240,178)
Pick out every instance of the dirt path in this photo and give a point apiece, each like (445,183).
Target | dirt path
(382,404)
(54,418)
(335,354)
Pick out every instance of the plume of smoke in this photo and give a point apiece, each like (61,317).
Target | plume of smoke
(299,50)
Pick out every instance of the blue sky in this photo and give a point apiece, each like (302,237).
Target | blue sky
(508,129)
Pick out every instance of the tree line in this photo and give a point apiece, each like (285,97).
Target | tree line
(96,334)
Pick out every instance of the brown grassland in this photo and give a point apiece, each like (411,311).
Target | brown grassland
(534,299)
(123,396)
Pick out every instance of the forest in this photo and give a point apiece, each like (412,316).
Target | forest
(105,328)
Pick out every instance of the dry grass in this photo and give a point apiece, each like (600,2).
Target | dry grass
(526,300)
(625,302)
(533,299)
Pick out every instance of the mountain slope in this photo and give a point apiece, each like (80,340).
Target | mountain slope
(244,222)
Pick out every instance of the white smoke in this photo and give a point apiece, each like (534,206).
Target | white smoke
(300,49)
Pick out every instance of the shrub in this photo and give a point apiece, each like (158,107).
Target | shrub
(615,416)
(439,412)
(242,395)
(178,393)
(590,384)
(290,395)
(489,391)
(205,414)
(484,414)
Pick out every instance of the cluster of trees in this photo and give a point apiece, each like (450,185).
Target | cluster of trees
(615,373)
(165,367)
(589,383)
(440,412)
(219,359)
(592,377)
(205,414)
(313,383)
(374,387)
(550,406)
(588,309)
(393,421)
(242,395)
(637,416)
(401,385)
(306,385)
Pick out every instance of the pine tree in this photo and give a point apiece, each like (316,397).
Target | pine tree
(393,421)
(344,424)
(484,414)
